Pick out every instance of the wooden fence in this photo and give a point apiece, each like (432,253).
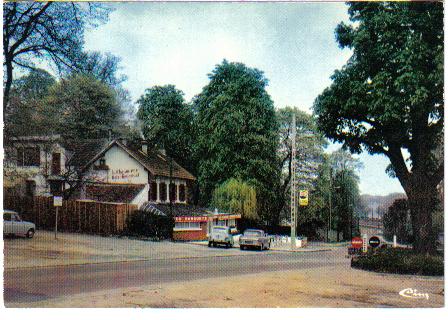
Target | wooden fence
(83,216)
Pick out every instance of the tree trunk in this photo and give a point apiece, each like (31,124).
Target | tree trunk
(8,84)
(422,200)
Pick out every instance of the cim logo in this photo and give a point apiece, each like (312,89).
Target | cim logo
(413,293)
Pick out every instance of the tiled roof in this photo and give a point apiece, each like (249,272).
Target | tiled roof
(154,161)
(179,210)
(83,150)
(124,193)
(158,164)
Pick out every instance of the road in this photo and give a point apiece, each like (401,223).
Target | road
(34,284)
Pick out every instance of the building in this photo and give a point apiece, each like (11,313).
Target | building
(192,222)
(111,171)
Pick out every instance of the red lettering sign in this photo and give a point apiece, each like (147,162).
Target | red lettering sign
(357,243)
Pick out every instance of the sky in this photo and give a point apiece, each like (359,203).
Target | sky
(180,43)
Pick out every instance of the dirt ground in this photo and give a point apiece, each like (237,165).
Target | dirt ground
(322,287)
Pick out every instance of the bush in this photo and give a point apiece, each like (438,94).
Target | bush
(147,224)
(402,261)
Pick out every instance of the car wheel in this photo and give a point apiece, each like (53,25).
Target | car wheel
(242,248)
(209,244)
(30,233)
(214,244)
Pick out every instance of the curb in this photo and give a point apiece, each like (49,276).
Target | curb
(273,248)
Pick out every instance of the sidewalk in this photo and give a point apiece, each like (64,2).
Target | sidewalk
(284,247)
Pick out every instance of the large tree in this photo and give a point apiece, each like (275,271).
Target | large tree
(388,98)
(237,134)
(167,123)
(82,107)
(50,31)
(26,103)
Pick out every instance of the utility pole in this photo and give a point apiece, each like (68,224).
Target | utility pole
(329,218)
(293,184)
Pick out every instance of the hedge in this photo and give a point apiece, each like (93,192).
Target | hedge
(150,225)
(401,261)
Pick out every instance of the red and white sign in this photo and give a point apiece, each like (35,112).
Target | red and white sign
(357,243)
(191,219)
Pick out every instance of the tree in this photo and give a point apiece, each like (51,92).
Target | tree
(397,221)
(237,197)
(82,107)
(167,123)
(47,31)
(309,145)
(389,98)
(101,67)
(26,103)
(237,134)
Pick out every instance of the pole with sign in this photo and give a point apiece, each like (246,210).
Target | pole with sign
(57,202)
(364,243)
(293,184)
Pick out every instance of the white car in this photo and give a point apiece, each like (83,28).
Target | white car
(13,225)
(221,235)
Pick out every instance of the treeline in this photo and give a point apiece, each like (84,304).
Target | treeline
(230,135)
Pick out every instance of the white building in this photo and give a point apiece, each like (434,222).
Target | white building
(112,171)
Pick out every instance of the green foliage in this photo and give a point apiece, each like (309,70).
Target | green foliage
(389,97)
(153,226)
(82,107)
(237,134)
(48,31)
(397,221)
(400,261)
(26,103)
(237,197)
(167,123)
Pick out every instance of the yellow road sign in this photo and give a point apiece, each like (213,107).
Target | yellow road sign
(303,197)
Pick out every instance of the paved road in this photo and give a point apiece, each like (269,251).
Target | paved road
(34,284)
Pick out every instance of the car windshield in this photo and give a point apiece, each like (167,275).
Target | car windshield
(252,233)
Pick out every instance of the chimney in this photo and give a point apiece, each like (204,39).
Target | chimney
(144,146)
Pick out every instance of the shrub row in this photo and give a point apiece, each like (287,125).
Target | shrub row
(145,224)
(402,261)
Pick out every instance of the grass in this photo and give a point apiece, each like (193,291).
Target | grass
(401,261)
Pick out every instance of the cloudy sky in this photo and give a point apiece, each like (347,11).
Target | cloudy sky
(180,43)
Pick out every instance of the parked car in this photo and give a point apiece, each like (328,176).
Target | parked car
(220,235)
(13,225)
(256,239)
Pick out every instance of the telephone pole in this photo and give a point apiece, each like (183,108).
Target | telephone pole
(293,184)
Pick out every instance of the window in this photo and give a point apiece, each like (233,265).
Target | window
(56,187)
(102,162)
(182,193)
(30,188)
(172,192)
(153,191)
(56,163)
(187,225)
(162,186)
(29,156)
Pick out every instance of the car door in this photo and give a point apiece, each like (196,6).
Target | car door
(16,224)
(7,227)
